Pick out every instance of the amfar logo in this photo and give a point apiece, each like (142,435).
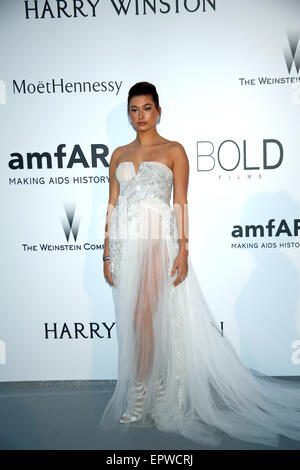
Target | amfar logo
(282,228)
(292,54)
(70,223)
(40,160)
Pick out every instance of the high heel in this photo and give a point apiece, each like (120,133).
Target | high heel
(158,396)
(134,410)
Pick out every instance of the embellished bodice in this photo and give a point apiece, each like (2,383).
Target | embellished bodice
(152,180)
(142,210)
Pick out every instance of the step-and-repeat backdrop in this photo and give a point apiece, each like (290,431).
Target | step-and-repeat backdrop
(227,73)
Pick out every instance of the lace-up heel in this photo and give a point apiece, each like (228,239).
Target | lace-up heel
(158,395)
(135,406)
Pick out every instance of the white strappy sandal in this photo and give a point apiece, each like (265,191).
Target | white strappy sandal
(158,396)
(134,410)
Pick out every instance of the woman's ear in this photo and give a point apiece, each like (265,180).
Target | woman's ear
(158,117)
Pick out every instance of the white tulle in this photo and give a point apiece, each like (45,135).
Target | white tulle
(169,333)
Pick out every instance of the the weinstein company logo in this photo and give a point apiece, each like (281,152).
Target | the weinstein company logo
(292,53)
(70,223)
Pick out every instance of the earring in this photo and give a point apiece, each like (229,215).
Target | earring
(158,119)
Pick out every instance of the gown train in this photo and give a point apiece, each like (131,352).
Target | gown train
(168,338)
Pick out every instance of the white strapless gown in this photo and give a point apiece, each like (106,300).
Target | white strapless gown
(169,332)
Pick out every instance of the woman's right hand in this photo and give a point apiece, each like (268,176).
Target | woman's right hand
(107,273)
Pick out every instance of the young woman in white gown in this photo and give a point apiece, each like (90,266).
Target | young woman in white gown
(175,370)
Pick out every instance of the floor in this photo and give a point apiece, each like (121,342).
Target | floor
(65,416)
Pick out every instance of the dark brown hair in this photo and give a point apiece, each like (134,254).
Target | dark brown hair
(143,88)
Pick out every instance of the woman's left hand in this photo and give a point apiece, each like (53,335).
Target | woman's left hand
(181,264)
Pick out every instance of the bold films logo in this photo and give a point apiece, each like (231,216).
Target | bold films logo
(233,159)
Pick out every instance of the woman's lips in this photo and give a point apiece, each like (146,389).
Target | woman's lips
(142,123)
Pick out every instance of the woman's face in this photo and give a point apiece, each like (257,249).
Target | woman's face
(143,112)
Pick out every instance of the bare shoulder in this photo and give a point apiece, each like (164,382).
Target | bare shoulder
(116,155)
(178,154)
(176,147)
(121,152)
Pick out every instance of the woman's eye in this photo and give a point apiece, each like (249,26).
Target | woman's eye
(148,109)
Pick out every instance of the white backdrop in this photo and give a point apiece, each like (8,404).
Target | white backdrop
(227,73)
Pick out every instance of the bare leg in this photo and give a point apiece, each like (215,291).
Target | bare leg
(148,296)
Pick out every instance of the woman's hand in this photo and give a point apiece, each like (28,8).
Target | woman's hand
(107,273)
(181,264)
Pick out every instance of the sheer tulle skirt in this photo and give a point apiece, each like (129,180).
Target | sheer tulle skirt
(168,335)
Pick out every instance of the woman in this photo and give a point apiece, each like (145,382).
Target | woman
(176,369)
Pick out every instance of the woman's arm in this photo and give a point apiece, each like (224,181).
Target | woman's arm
(113,197)
(180,204)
